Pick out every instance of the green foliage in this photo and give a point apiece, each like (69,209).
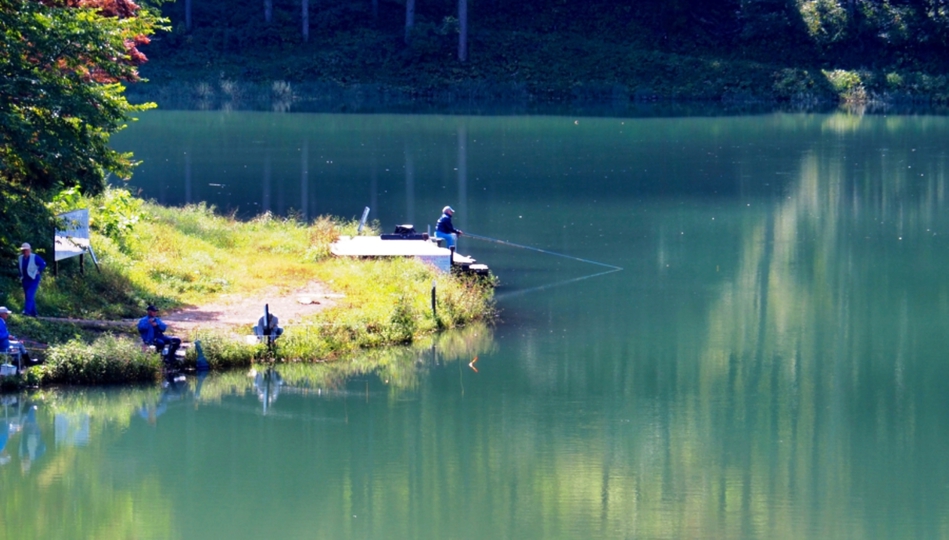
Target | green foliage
(107,360)
(224,351)
(470,299)
(849,85)
(551,50)
(59,96)
(402,322)
(24,219)
(66,200)
(117,214)
(35,330)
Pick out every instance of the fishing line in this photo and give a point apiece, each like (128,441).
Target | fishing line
(512,294)
(512,244)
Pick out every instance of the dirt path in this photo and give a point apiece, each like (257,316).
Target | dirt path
(234,310)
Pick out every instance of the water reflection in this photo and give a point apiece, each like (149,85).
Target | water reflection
(21,428)
(769,364)
(12,425)
(267,382)
(173,388)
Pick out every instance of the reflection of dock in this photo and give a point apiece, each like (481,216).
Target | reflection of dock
(424,249)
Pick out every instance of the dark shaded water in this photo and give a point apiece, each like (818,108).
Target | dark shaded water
(770,362)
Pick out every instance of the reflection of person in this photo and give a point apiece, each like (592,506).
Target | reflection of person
(173,391)
(444,228)
(32,446)
(268,385)
(151,412)
(4,437)
(6,340)
(8,427)
(30,266)
(152,329)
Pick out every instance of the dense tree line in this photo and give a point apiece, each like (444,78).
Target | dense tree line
(806,30)
(784,50)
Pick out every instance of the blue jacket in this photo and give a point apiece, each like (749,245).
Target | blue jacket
(4,336)
(444,225)
(149,332)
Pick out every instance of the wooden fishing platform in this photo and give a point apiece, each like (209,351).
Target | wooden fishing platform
(426,250)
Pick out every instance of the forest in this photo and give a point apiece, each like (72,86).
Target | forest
(800,51)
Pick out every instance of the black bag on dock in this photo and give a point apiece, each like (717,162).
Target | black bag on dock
(404,232)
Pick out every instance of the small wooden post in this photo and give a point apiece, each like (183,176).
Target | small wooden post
(451,260)
(434,310)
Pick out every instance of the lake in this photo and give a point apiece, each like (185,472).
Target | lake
(770,361)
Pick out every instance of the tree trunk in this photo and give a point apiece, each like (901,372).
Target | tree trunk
(463,30)
(305,15)
(268,11)
(188,15)
(409,18)
(463,173)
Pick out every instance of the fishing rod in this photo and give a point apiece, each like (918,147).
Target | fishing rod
(512,244)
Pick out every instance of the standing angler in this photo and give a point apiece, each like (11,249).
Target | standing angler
(31,268)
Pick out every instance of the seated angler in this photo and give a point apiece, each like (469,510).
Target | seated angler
(152,329)
(8,343)
(268,328)
(444,228)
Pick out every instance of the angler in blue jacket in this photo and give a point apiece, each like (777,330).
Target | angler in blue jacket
(152,329)
(31,268)
(444,228)
(7,341)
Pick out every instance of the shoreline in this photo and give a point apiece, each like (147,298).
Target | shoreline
(210,94)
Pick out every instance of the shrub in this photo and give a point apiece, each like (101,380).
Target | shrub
(224,351)
(107,360)
(849,85)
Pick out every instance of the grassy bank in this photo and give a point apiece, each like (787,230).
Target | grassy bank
(177,257)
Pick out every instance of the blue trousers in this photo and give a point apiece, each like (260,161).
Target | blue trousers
(29,292)
(450,238)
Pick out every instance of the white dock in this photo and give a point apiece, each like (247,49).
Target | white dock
(373,246)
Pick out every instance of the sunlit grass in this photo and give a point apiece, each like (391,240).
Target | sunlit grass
(191,256)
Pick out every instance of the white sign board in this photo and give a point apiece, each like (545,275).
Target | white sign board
(72,234)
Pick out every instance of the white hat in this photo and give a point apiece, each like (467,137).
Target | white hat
(3,309)
(25,246)
(448,209)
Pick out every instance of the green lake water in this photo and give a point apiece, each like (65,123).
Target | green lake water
(770,363)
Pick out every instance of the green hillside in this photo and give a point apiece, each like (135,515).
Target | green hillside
(798,51)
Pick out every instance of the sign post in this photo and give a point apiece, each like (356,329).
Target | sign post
(72,237)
